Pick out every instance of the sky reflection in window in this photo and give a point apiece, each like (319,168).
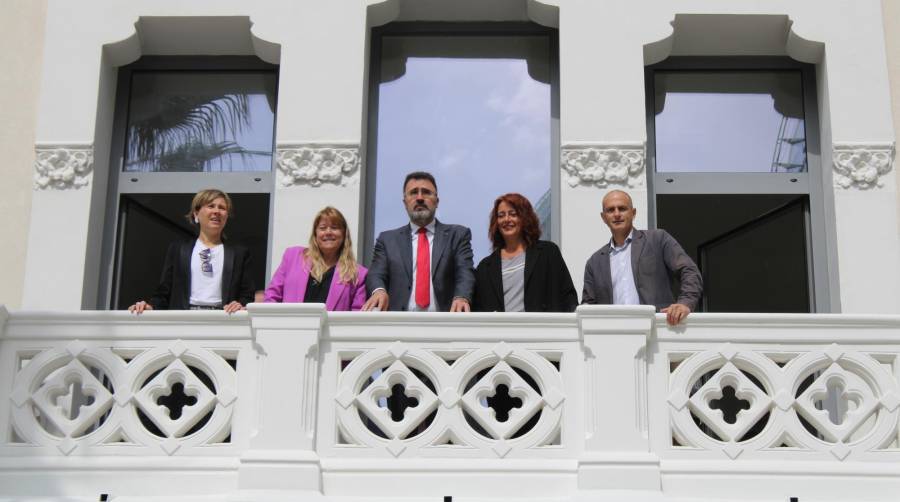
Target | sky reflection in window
(481,125)
(729,121)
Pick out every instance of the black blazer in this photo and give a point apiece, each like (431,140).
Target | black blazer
(174,290)
(548,285)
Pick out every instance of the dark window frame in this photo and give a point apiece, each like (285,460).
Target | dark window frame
(821,252)
(123,183)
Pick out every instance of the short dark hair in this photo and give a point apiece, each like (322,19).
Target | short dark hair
(531,225)
(419,175)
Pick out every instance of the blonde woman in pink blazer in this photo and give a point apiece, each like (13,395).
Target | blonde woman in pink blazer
(325,272)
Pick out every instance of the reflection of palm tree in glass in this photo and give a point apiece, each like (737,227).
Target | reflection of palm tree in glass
(189,133)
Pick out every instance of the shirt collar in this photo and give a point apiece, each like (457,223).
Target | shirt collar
(616,249)
(414,229)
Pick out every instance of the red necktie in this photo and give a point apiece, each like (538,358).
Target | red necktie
(423,270)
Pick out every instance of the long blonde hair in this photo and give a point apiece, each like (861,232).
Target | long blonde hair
(346,260)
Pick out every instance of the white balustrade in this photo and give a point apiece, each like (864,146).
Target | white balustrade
(291,399)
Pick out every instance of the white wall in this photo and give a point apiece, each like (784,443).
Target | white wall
(891,15)
(321,47)
(22,40)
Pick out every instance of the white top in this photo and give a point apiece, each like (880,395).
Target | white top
(624,290)
(414,237)
(206,288)
(512,272)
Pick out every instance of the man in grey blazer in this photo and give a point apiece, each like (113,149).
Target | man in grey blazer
(425,266)
(634,268)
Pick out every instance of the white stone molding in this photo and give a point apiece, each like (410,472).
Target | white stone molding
(315,164)
(820,403)
(89,398)
(866,397)
(62,166)
(604,164)
(862,165)
(453,404)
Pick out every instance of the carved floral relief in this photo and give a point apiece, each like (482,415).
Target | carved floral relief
(62,167)
(317,164)
(604,165)
(862,166)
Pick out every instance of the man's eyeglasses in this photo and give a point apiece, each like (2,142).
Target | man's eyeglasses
(425,193)
(205,263)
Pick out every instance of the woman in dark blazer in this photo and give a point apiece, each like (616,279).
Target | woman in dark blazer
(204,273)
(523,274)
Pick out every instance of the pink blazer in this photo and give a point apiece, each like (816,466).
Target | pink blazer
(288,285)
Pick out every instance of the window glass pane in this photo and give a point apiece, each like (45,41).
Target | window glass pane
(729,121)
(475,112)
(207,121)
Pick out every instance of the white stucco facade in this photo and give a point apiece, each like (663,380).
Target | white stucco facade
(626,401)
(322,51)
(22,39)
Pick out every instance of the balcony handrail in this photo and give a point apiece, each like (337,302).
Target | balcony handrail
(294,398)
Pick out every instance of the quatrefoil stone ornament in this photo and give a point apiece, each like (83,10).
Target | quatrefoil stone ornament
(50,399)
(501,374)
(161,385)
(397,373)
(730,376)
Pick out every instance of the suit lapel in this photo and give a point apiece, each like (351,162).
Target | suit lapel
(532,254)
(404,238)
(637,247)
(495,271)
(441,239)
(185,264)
(302,277)
(227,269)
(335,291)
(606,271)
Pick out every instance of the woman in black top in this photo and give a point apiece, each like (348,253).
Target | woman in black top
(502,284)
(204,273)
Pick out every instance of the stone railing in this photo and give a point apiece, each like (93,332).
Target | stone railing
(290,399)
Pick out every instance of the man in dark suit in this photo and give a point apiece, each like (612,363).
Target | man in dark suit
(634,268)
(425,265)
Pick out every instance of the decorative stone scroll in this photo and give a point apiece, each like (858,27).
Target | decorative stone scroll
(738,401)
(62,166)
(604,165)
(315,164)
(862,165)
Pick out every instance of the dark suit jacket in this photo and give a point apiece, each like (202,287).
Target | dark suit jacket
(548,285)
(655,257)
(174,290)
(451,265)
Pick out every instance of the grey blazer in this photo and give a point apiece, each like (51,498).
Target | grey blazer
(655,257)
(451,266)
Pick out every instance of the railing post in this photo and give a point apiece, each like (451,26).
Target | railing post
(617,448)
(281,454)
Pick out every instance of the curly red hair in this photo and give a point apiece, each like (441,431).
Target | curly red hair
(528,219)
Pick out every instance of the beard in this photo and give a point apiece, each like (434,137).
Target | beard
(421,216)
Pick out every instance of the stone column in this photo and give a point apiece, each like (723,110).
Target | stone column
(282,453)
(617,449)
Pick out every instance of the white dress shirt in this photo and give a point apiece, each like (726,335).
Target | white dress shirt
(624,290)
(414,238)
